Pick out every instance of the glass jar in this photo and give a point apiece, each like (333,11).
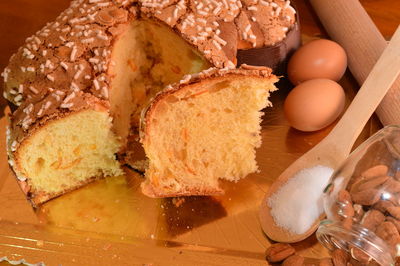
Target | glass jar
(362,202)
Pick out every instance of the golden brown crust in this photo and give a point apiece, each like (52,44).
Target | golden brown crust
(40,197)
(218,28)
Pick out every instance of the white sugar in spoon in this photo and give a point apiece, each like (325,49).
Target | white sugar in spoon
(335,147)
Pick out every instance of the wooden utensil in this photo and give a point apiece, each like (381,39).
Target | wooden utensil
(347,23)
(333,149)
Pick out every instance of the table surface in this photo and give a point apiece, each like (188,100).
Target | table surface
(21,18)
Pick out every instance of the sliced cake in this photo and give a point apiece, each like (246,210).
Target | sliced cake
(204,129)
(77,87)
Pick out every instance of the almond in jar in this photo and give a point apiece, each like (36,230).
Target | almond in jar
(362,202)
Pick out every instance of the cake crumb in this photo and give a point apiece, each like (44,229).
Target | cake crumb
(178,201)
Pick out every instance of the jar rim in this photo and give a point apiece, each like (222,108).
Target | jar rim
(379,134)
(334,235)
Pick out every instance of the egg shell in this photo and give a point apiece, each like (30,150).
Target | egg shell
(317,59)
(314,104)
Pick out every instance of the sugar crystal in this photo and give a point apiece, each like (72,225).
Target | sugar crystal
(298,203)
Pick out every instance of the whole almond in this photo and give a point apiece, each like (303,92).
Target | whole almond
(372,219)
(382,205)
(278,252)
(371,183)
(388,232)
(345,206)
(394,211)
(294,260)
(119,14)
(374,171)
(344,197)
(103,17)
(339,257)
(366,197)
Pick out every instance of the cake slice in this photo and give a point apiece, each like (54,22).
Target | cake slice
(63,151)
(203,129)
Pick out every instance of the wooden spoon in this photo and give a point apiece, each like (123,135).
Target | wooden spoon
(335,147)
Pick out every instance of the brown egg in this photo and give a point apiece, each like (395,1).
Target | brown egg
(317,60)
(314,104)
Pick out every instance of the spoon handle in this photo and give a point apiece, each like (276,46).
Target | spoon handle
(378,82)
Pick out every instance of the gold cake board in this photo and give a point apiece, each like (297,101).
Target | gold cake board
(111,221)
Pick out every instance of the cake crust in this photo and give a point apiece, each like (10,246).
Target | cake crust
(153,192)
(39,197)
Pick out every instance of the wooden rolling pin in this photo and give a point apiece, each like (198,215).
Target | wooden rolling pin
(347,23)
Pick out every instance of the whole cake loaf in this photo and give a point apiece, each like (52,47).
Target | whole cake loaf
(78,86)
